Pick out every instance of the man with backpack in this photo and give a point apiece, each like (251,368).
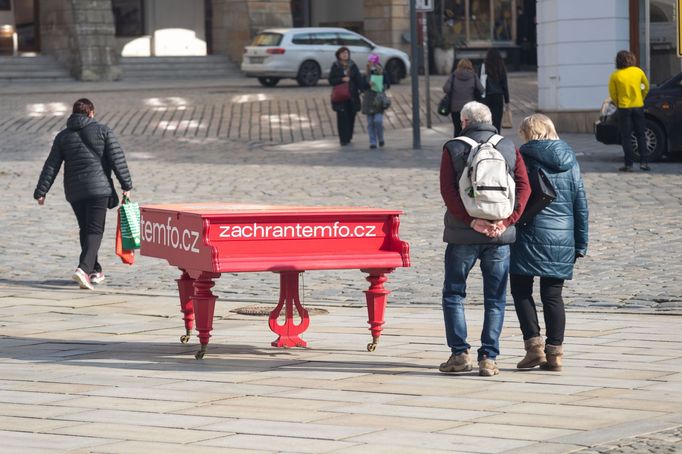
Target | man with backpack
(484,184)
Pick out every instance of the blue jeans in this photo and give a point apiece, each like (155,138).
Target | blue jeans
(459,259)
(375,128)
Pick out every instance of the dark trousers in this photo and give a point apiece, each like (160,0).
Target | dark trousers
(91,215)
(457,123)
(496,105)
(629,121)
(552,303)
(345,122)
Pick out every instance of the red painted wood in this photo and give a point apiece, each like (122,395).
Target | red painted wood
(204,306)
(207,239)
(376,298)
(289,332)
(186,290)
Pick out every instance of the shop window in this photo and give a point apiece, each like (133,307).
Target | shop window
(128,17)
(476,21)
(479,20)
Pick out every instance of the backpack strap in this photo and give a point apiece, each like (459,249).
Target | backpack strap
(468,140)
(495,139)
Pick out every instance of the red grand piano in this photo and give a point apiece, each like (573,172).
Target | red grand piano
(206,239)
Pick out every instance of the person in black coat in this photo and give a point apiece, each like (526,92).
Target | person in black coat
(344,70)
(496,87)
(89,151)
(549,244)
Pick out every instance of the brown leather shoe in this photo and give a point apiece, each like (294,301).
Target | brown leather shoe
(487,368)
(457,363)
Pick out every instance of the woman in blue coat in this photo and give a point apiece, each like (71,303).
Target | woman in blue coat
(549,244)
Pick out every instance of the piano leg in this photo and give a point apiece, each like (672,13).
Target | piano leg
(288,297)
(376,297)
(185,290)
(204,306)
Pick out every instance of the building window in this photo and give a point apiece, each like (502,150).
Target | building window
(477,22)
(128,17)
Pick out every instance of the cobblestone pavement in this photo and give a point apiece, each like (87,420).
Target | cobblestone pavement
(632,263)
(664,442)
(244,113)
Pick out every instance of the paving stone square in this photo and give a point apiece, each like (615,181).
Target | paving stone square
(104,371)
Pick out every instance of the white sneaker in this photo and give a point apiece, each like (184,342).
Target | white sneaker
(97,277)
(82,279)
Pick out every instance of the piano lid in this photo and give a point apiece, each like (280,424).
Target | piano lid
(225,208)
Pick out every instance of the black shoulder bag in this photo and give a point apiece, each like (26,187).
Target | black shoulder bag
(542,194)
(113,198)
(444,104)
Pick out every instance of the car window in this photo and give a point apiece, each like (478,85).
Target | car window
(329,38)
(303,38)
(348,39)
(267,39)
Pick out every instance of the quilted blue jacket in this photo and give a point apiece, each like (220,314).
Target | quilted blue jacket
(548,244)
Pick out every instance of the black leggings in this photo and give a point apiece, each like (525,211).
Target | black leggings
(456,123)
(345,122)
(91,215)
(552,303)
(496,105)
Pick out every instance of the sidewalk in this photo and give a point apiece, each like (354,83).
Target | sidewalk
(85,371)
(104,371)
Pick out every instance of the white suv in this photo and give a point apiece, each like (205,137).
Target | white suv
(307,54)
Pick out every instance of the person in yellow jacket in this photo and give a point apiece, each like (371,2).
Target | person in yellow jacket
(628,86)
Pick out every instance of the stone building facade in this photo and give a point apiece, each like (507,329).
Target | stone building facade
(89,37)
(80,34)
(235,22)
(84,35)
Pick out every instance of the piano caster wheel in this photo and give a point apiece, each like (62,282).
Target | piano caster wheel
(373,345)
(200,354)
(184,338)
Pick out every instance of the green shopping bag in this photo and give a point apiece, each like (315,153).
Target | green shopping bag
(130,224)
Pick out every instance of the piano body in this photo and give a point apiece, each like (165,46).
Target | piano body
(206,239)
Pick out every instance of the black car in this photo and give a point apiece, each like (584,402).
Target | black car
(663,112)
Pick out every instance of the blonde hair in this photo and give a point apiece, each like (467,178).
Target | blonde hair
(538,127)
(464,64)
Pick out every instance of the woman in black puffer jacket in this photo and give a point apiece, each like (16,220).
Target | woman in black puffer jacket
(90,152)
(549,244)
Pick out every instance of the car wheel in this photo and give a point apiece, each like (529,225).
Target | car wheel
(655,141)
(268,81)
(395,71)
(308,74)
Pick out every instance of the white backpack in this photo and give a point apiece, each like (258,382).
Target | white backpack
(486,187)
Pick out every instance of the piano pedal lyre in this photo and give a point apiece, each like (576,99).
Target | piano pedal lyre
(185,337)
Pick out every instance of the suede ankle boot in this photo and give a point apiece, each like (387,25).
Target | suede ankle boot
(554,355)
(535,353)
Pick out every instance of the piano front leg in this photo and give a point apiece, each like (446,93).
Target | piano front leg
(376,297)
(204,306)
(185,290)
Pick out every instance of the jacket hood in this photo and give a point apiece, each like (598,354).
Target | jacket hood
(485,127)
(553,154)
(464,74)
(76,122)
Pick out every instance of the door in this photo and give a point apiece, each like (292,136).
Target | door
(26,20)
